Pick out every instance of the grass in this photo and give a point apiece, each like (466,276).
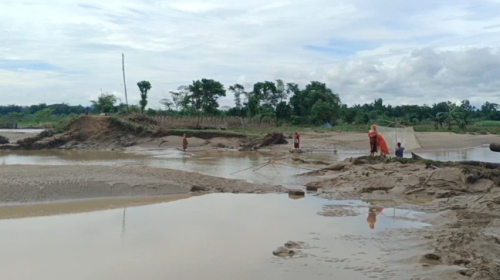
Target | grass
(488,124)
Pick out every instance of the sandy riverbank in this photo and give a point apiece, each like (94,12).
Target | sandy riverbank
(30,183)
(463,205)
(104,133)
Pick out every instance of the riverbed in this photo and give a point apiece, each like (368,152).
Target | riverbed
(206,236)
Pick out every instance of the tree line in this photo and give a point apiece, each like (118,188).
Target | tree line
(314,104)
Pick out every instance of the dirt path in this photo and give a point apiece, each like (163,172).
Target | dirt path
(19,183)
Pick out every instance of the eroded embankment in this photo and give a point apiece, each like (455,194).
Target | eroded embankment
(106,133)
(465,202)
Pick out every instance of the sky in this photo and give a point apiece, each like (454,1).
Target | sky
(405,52)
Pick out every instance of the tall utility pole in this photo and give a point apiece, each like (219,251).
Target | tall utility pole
(124,84)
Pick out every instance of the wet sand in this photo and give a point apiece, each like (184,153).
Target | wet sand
(31,183)
(327,142)
(17,134)
(463,208)
(359,141)
(82,206)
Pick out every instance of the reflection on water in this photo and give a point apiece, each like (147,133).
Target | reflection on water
(21,130)
(221,236)
(222,164)
(479,154)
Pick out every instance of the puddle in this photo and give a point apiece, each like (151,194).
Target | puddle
(218,236)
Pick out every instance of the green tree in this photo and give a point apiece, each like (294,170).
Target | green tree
(450,116)
(105,103)
(167,104)
(253,106)
(204,95)
(44,115)
(238,90)
(323,112)
(179,98)
(488,107)
(266,93)
(302,101)
(144,87)
(283,111)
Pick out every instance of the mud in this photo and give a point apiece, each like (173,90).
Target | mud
(465,203)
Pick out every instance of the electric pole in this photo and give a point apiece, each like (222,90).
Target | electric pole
(124,84)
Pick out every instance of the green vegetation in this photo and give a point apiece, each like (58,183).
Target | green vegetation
(144,87)
(314,107)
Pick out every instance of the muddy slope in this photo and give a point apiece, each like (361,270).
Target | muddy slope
(105,133)
(465,203)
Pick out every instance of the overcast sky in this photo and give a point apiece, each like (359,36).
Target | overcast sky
(406,52)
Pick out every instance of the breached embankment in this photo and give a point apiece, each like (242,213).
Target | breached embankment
(114,133)
(105,133)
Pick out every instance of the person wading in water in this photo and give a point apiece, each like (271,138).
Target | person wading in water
(184,142)
(296,142)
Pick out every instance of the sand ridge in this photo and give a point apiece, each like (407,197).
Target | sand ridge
(30,183)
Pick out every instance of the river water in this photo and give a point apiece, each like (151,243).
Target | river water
(216,236)
(221,236)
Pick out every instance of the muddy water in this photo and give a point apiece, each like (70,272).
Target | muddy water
(218,236)
(216,163)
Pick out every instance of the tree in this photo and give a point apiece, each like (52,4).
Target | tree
(44,115)
(238,90)
(322,112)
(283,111)
(179,97)
(450,116)
(281,92)
(204,94)
(144,87)
(105,103)
(167,103)
(348,114)
(253,106)
(266,92)
(438,119)
(303,100)
(488,107)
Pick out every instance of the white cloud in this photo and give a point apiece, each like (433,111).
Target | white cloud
(420,52)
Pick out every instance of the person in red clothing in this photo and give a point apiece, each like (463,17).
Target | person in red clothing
(296,141)
(184,142)
(372,134)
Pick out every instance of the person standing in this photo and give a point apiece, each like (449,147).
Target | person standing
(296,141)
(399,151)
(184,142)
(372,134)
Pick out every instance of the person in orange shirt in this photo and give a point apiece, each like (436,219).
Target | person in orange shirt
(377,142)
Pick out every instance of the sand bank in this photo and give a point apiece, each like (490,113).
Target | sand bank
(24,183)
